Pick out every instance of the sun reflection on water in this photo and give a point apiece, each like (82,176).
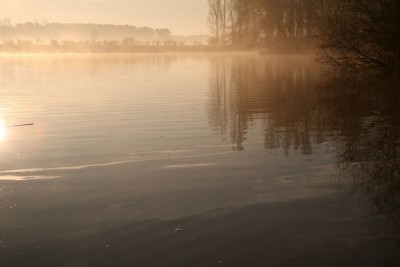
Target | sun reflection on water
(2,130)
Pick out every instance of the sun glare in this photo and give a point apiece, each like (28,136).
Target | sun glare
(2,130)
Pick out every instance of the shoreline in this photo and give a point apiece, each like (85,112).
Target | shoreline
(161,50)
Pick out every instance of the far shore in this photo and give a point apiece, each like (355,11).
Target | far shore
(157,49)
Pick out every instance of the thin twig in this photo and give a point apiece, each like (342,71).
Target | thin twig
(21,125)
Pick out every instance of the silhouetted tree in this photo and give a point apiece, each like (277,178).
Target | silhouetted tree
(264,22)
(355,34)
(362,34)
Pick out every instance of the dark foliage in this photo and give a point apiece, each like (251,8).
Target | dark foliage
(362,34)
(353,34)
(277,25)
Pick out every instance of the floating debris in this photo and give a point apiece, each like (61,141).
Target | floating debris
(178,230)
(20,125)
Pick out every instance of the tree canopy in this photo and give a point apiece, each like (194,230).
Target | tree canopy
(353,34)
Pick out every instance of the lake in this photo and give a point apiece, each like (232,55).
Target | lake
(195,160)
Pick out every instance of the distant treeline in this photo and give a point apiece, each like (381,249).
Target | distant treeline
(44,31)
(356,34)
(33,36)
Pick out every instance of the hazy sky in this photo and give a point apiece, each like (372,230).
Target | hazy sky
(180,16)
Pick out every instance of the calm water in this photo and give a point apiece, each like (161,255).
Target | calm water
(254,160)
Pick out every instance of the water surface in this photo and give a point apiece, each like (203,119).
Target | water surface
(258,160)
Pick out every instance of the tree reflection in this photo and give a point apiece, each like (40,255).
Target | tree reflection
(273,92)
(298,106)
(368,153)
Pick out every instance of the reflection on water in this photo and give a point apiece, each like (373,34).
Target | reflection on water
(369,154)
(120,139)
(2,130)
(126,104)
(274,94)
(297,106)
